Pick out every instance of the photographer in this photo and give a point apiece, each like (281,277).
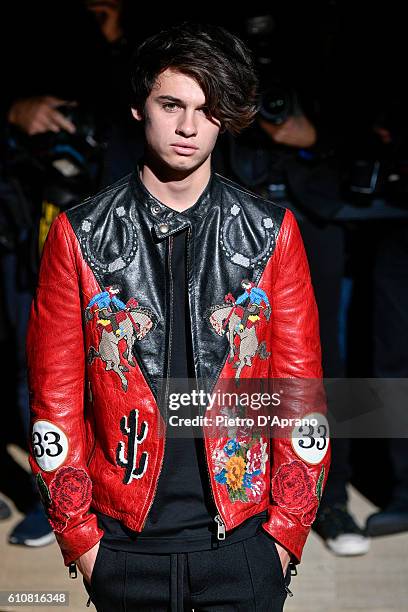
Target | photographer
(54,120)
(383,176)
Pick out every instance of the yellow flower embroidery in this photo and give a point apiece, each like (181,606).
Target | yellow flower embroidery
(235,472)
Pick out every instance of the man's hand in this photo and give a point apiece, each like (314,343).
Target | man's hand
(39,114)
(284,557)
(86,562)
(294,132)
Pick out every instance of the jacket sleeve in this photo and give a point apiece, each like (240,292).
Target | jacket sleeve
(56,372)
(298,474)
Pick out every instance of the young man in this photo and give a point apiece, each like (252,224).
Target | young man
(137,287)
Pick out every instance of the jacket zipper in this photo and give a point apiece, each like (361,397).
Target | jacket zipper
(170,248)
(218,519)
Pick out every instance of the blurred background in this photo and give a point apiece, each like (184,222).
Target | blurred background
(330,142)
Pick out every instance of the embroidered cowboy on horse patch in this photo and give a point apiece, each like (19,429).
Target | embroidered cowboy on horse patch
(120,325)
(239,319)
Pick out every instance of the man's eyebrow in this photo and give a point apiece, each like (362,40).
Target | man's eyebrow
(171,98)
(175,100)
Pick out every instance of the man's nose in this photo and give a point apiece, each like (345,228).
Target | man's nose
(187,126)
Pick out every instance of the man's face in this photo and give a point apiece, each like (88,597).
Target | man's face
(179,132)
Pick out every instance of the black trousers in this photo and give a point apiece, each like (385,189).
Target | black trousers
(246,576)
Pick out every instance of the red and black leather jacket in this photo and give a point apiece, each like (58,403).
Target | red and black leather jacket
(99,346)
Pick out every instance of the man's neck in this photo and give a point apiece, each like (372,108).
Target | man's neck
(176,191)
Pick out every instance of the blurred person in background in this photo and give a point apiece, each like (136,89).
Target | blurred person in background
(373,133)
(387,156)
(64,99)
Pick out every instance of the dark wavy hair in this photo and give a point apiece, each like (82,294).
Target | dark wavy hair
(216,59)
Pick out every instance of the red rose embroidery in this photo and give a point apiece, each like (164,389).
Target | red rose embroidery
(293,487)
(71,490)
(57,523)
(309,516)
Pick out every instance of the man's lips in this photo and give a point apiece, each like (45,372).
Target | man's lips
(183,148)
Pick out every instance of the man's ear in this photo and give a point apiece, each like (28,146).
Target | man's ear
(137,114)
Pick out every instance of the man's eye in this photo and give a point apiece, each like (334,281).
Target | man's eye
(170,106)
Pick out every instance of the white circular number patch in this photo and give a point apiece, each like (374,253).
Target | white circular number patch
(310,442)
(50,445)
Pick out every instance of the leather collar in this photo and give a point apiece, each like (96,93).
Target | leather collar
(168,221)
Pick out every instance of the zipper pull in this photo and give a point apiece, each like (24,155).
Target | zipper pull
(88,603)
(220,527)
(72,570)
(293,570)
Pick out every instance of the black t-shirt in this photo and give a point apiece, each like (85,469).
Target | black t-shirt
(181,518)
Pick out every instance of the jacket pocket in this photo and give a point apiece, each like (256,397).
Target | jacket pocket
(271,543)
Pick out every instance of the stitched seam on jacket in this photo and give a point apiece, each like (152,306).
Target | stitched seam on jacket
(285,239)
(73,262)
(64,274)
